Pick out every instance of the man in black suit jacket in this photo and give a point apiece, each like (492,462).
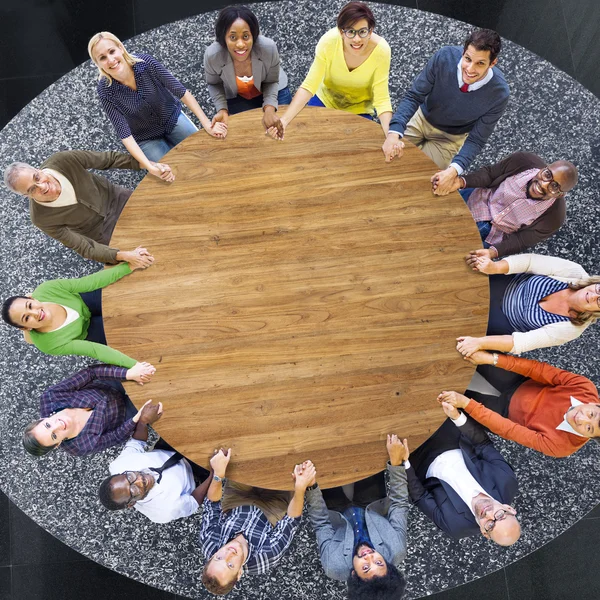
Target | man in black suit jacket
(462,483)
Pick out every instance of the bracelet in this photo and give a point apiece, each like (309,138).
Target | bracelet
(495,355)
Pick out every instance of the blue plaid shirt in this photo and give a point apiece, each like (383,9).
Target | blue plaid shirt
(106,426)
(267,544)
(151,111)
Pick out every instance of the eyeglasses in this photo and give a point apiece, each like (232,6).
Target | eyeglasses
(553,187)
(597,290)
(499,515)
(134,490)
(362,33)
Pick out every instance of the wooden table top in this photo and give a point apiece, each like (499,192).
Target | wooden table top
(305,298)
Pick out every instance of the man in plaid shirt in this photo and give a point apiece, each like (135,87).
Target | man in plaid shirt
(245,529)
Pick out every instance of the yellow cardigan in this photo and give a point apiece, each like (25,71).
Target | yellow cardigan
(362,90)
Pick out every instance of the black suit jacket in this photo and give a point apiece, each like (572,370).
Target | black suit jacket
(440,502)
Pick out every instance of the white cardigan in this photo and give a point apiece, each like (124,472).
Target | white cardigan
(553,334)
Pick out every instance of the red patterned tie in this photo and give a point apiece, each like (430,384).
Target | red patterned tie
(464,87)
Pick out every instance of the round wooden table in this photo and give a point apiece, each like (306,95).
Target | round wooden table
(305,298)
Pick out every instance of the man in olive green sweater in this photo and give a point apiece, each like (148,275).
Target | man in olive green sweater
(76,207)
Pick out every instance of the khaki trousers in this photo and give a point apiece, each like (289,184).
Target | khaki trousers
(273,503)
(440,146)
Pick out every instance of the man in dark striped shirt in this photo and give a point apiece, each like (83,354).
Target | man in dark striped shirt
(246,529)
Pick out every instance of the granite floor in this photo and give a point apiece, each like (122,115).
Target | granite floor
(554,494)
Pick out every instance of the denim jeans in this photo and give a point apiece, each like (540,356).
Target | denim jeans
(484,227)
(316,101)
(156,149)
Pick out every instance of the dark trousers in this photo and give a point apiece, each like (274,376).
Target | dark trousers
(93,300)
(239,104)
(118,199)
(365,491)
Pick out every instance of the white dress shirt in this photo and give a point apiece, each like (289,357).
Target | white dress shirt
(172,497)
(564,425)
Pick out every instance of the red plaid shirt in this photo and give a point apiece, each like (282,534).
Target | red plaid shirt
(106,426)
(507,207)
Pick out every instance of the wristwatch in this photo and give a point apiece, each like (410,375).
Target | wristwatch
(217,478)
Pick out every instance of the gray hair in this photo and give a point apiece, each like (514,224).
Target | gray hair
(12,172)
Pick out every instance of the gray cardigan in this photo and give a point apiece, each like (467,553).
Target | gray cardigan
(386,522)
(269,77)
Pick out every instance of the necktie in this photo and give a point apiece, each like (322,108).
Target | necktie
(464,87)
(173,460)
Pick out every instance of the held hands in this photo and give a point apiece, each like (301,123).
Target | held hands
(468,345)
(149,413)
(219,461)
(221,117)
(450,411)
(277,131)
(304,475)
(397,449)
(444,182)
(141,372)
(481,357)
(161,171)
(270,119)
(453,399)
(217,129)
(139,258)
(481,260)
(392,147)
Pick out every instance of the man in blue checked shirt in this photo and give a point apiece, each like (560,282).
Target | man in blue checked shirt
(246,529)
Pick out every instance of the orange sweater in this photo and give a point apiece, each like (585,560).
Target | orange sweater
(538,406)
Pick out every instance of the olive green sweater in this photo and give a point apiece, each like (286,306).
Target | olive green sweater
(79,226)
(71,338)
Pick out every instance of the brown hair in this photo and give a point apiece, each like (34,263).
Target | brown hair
(213,585)
(353,12)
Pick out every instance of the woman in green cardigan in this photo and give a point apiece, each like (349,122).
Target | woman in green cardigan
(63,316)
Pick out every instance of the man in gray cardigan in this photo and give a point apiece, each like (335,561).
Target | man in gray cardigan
(78,208)
(363,541)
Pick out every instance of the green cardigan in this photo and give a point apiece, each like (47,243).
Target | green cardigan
(71,338)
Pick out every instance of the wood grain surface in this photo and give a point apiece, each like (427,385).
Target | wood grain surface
(305,298)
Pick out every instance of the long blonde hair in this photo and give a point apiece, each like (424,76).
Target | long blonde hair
(579,318)
(106,35)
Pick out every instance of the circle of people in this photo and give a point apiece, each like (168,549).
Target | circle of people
(457,477)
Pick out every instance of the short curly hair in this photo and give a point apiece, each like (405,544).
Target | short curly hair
(388,587)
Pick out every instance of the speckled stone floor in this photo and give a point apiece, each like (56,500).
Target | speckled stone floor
(548,113)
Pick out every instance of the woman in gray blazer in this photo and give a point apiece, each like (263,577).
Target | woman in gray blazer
(242,68)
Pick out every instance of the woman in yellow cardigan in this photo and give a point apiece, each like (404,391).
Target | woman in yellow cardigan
(350,71)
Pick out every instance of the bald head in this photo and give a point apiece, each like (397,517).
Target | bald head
(565,174)
(506,532)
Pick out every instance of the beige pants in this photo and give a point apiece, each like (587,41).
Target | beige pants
(440,146)
(273,503)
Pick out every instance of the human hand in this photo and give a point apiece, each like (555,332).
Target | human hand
(219,461)
(392,147)
(218,130)
(149,413)
(304,475)
(161,171)
(481,357)
(444,182)
(397,449)
(453,399)
(139,258)
(141,372)
(481,260)
(270,118)
(221,117)
(468,345)
(277,131)
(450,411)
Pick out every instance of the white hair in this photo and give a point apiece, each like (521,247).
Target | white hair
(12,172)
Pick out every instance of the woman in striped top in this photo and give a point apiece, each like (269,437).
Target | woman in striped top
(535,302)
(142,100)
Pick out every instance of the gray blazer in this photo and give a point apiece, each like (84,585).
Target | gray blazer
(386,522)
(269,77)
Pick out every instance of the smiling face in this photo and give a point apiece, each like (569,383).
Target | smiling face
(475,64)
(239,40)
(357,45)
(226,563)
(131,486)
(37,185)
(108,56)
(368,563)
(496,521)
(586,299)
(585,419)
(53,429)
(29,313)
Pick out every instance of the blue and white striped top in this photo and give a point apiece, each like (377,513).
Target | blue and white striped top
(521,301)
(151,111)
